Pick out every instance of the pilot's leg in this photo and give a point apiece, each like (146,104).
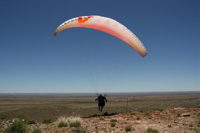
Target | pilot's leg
(99,106)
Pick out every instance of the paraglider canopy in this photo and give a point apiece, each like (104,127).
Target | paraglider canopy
(107,25)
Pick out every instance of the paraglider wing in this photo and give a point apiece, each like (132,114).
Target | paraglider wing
(107,25)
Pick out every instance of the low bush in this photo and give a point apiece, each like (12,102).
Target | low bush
(79,130)
(62,122)
(132,113)
(150,130)
(169,125)
(48,121)
(198,124)
(158,109)
(138,118)
(113,120)
(75,124)
(75,121)
(27,121)
(18,126)
(37,130)
(128,128)
(112,124)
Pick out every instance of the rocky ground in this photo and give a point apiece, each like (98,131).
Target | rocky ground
(176,120)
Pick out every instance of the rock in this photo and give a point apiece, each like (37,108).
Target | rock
(179,108)
(10,121)
(33,122)
(185,114)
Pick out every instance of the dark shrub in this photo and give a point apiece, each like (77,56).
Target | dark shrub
(112,124)
(113,120)
(48,121)
(18,127)
(150,130)
(128,128)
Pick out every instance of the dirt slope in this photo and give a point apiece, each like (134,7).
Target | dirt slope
(179,120)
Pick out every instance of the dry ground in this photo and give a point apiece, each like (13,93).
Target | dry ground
(167,121)
(160,111)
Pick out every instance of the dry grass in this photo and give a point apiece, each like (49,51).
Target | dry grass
(69,121)
(62,122)
(36,130)
(75,121)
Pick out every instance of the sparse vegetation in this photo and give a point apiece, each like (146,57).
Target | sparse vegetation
(75,122)
(138,118)
(96,128)
(60,107)
(79,130)
(198,124)
(27,121)
(132,113)
(62,122)
(150,130)
(161,110)
(36,130)
(147,113)
(113,120)
(84,107)
(101,118)
(128,128)
(47,121)
(112,124)
(18,126)
(3,118)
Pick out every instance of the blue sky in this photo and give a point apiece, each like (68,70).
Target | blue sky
(86,60)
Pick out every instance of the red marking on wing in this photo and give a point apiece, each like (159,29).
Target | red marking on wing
(81,20)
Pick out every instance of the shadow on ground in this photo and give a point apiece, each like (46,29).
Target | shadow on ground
(105,114)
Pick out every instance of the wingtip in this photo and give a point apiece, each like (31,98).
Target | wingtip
(55,33)
(144,54)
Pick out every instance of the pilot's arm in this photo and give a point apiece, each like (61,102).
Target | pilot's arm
(105,99)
